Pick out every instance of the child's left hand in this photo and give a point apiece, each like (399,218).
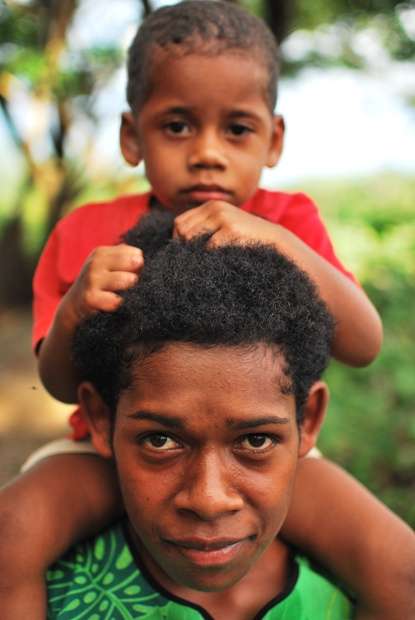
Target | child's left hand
(358,334)
(226,222)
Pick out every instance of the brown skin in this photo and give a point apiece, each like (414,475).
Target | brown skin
(38,523)
(206,447)
(373,552)
(224,150)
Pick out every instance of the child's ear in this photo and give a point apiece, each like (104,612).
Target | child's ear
(277,141)
(313,415)
(129,141)
(99,418)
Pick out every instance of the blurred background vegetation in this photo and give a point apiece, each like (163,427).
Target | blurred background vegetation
(45,74)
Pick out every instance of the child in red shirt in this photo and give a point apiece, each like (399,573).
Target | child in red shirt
(202,88)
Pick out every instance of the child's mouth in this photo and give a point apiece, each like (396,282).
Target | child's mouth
(204,193)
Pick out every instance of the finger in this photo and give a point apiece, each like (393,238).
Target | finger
(116,281)
(128,258)
(194,231)
(189,214)
(207,208)
(187,220)
(222,237)
(198,226)
(104,301)
(117,258)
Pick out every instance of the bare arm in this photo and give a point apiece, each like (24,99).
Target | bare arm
(42,514)
(107,270)
(337,521)
(358,334)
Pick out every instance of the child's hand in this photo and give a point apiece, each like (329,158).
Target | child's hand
(105,271)
(226,222)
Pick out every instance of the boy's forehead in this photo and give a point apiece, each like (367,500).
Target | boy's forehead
(161,55)
(255,373)
(235,71)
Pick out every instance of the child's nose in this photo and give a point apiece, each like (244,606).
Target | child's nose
(207,151)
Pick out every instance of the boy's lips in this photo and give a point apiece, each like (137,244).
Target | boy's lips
(209,552)
(201,193)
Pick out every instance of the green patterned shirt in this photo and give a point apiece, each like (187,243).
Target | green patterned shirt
(101,580)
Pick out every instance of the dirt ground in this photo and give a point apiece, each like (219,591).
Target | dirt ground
(29,417)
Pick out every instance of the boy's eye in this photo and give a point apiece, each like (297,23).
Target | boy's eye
(177,128)
(238,129)
(159,442)
(257,442)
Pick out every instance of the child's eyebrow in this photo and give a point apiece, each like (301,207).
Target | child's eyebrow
(176,110)
(190,111)
(243,114)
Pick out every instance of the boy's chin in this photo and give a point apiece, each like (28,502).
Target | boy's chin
(210,579)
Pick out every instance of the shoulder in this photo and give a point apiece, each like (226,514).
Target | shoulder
(75,582)
(100,579)
(277,206)
(105,219)
(314,597)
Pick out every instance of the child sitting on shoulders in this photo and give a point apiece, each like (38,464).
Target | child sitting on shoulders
(202,81)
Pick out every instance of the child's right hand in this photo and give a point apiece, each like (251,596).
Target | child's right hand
(107,269)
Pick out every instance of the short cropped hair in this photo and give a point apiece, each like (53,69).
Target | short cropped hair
(239,296)
(206,27)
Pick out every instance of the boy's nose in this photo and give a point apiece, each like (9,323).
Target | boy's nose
(208,491)
(207,152)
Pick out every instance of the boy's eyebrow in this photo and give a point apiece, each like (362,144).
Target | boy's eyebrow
(176,110)
(233,113)
(243,114)
(169,421)
(177,423)
(263,421)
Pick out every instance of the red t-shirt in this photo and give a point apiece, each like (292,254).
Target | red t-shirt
(93,225)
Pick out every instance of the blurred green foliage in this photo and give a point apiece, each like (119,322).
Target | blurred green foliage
(370,428)
(332,32)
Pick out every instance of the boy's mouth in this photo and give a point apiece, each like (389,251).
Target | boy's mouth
(210,552)
(200,193)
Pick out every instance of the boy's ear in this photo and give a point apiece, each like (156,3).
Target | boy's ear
(99,418)
(277,141)
(129,142)
(313,415)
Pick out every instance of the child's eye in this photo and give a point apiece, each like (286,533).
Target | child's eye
(238,129)
(257,442)
(177,128)
(159,442)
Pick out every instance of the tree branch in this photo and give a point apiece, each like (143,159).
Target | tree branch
(147,8)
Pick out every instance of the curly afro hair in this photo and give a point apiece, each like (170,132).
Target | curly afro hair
(204,27)
(233,296)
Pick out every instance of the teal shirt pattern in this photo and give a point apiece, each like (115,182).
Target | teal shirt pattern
(100,580)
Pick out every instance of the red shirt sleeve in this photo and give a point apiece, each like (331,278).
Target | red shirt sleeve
(298,214)
(303,219)
(70,243)
(47,289)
